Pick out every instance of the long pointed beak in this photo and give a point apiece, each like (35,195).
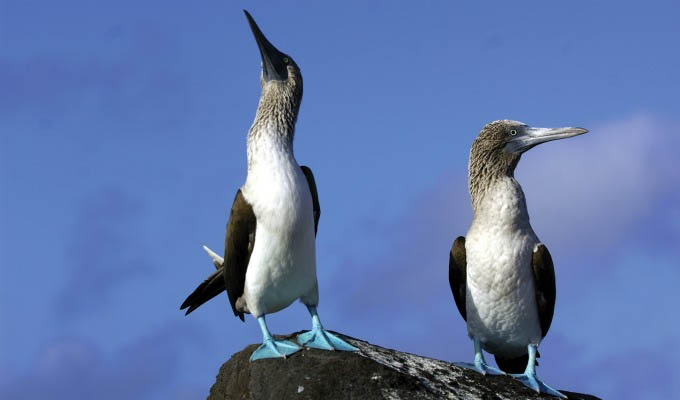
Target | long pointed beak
(530,137)
(273,61)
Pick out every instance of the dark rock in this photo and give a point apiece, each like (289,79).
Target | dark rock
(372,373)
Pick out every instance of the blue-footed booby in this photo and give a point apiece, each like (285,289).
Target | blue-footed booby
(501,275)
(270,255)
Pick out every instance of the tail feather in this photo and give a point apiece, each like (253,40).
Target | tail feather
(210,288)
(216,259)
(514,365)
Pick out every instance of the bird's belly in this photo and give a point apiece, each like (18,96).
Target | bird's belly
(282,266)
(279,273)
(500,301)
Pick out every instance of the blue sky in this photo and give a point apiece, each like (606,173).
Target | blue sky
(122,143)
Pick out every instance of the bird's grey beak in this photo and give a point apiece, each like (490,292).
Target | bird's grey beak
(529,137)
(273,61)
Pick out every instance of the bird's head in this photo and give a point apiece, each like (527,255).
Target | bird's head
(281,77)
(500,144)
(499,147)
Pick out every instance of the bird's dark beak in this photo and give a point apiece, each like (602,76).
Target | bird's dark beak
(529,137)
(274,66)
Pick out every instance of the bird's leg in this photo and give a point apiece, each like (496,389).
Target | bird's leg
(480,364)
(320,338)
(530,379)
(270,347)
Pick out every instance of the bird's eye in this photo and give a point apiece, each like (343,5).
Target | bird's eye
(513,132)
(286,60)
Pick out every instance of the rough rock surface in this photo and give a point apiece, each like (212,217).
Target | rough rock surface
(372,373)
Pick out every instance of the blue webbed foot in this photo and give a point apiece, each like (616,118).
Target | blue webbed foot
(480,364)
(319,338)
(274,349)
(532,381)
(483,368)
(529,378)
(271,348)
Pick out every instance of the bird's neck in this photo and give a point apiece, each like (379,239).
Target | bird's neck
(499,200)
(273,130)
(489,168)
(278,109)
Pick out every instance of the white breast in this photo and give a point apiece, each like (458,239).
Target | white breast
(500,303)
(282,266)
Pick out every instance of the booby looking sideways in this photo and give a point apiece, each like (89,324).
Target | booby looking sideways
(270,256)
(501,275)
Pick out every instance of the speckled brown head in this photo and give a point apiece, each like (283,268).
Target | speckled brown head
(281,82)
(499,147)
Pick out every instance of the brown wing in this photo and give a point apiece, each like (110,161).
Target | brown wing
(238,247)
(458,273)
(544,280)
(315,196)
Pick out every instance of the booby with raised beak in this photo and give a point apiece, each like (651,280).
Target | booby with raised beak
(270,256)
